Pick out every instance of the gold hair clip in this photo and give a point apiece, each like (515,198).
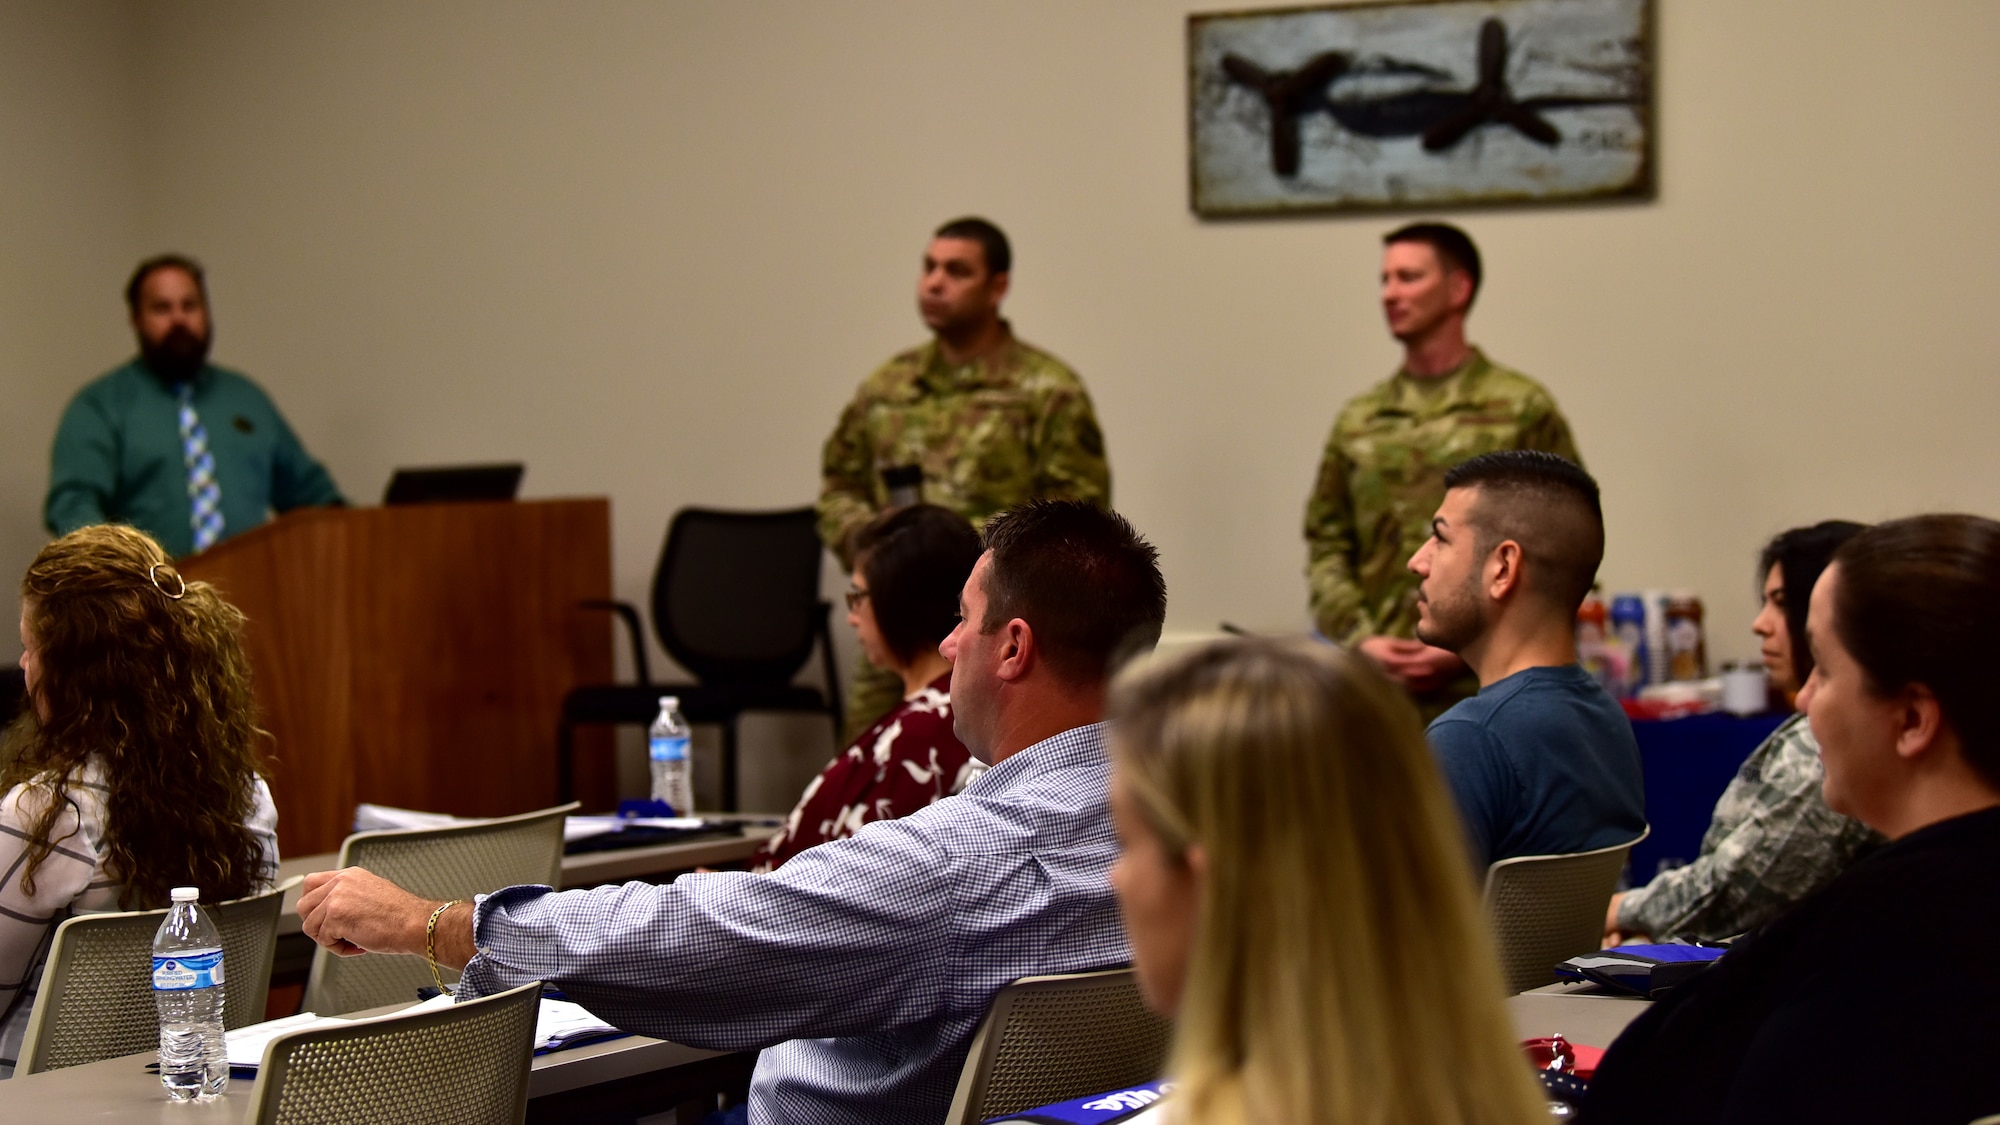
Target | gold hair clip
(153,572)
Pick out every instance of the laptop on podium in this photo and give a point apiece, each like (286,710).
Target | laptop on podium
(454,484)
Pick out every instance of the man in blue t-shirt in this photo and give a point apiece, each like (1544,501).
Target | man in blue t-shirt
(1542,760)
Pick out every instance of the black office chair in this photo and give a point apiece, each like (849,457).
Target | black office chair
(735,602)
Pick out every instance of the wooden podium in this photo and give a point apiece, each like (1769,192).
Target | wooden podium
(418,656)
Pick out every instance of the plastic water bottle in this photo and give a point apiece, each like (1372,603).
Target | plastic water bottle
(673,769)
(187,987)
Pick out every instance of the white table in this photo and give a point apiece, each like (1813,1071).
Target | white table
(650,1074)
(644,1075)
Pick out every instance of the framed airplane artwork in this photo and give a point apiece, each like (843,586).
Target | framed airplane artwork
(1432,103)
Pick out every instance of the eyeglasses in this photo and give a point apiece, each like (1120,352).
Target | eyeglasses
(854,598)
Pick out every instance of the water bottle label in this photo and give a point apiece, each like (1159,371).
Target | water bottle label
(201,968)
(670,749)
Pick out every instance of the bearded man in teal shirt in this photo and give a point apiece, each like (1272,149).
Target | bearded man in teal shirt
(132,441)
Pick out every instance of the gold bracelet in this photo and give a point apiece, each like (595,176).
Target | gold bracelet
(430,941)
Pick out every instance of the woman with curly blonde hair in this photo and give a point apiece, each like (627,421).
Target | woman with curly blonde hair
(134,768)
(1293,882)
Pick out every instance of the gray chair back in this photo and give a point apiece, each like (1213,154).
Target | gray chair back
(454,861)
(462,1065)
(1545,909)
(96,995)
(1051,1038)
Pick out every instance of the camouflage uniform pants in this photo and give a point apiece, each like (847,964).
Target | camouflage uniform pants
(870,695)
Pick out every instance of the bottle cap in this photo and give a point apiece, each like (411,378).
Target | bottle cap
(187,894)
(673,701)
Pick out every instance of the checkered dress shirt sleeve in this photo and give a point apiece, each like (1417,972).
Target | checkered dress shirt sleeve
(870,959)
(735,960)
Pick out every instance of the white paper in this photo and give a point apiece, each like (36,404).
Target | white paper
(585,827)
(558,1022)
(374,818)
(246,1044)
(561,1021)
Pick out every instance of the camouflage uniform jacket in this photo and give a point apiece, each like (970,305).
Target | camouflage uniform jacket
(1010,426)
(1773,842)
(1382,479)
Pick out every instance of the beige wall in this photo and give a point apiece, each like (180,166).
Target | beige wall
(650,247)
(70,149)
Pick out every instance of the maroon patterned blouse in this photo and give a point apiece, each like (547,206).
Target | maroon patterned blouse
(908,759)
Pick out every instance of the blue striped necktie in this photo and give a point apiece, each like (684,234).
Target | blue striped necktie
(204,496)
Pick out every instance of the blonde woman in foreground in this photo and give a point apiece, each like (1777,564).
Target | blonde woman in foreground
(1293,883)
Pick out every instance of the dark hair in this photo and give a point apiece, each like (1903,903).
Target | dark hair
(1453,247)
(1918,602)
(916,560)
(144,673)
(1548,505)
(1082,578)
(999,255)
(1800,555)
(159,262)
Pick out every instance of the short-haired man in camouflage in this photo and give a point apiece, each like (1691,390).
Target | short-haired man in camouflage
(1382,475)
(987,421)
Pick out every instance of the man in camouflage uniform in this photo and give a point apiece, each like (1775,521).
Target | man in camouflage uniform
(1382,476)
(989,421)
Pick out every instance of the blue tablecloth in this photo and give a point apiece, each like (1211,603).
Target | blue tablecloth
(1688,763)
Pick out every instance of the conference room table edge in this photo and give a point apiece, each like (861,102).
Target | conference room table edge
(123,1089)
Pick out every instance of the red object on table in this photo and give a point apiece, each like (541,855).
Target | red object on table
(1542,1051)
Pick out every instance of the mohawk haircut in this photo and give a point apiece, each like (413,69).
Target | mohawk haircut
(1548,505)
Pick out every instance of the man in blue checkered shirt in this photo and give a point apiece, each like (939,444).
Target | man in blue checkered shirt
(862,966)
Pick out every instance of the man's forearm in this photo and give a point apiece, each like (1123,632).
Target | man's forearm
(454,944)
(352,911)
(450,938)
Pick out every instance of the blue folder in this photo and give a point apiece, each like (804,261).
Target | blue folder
(1097,1109)
(1643,970)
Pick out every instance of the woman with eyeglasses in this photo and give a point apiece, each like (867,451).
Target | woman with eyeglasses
(134,767)
(910,565)
(1876,999)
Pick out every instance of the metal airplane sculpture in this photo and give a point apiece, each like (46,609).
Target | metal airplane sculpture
(1441,117)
